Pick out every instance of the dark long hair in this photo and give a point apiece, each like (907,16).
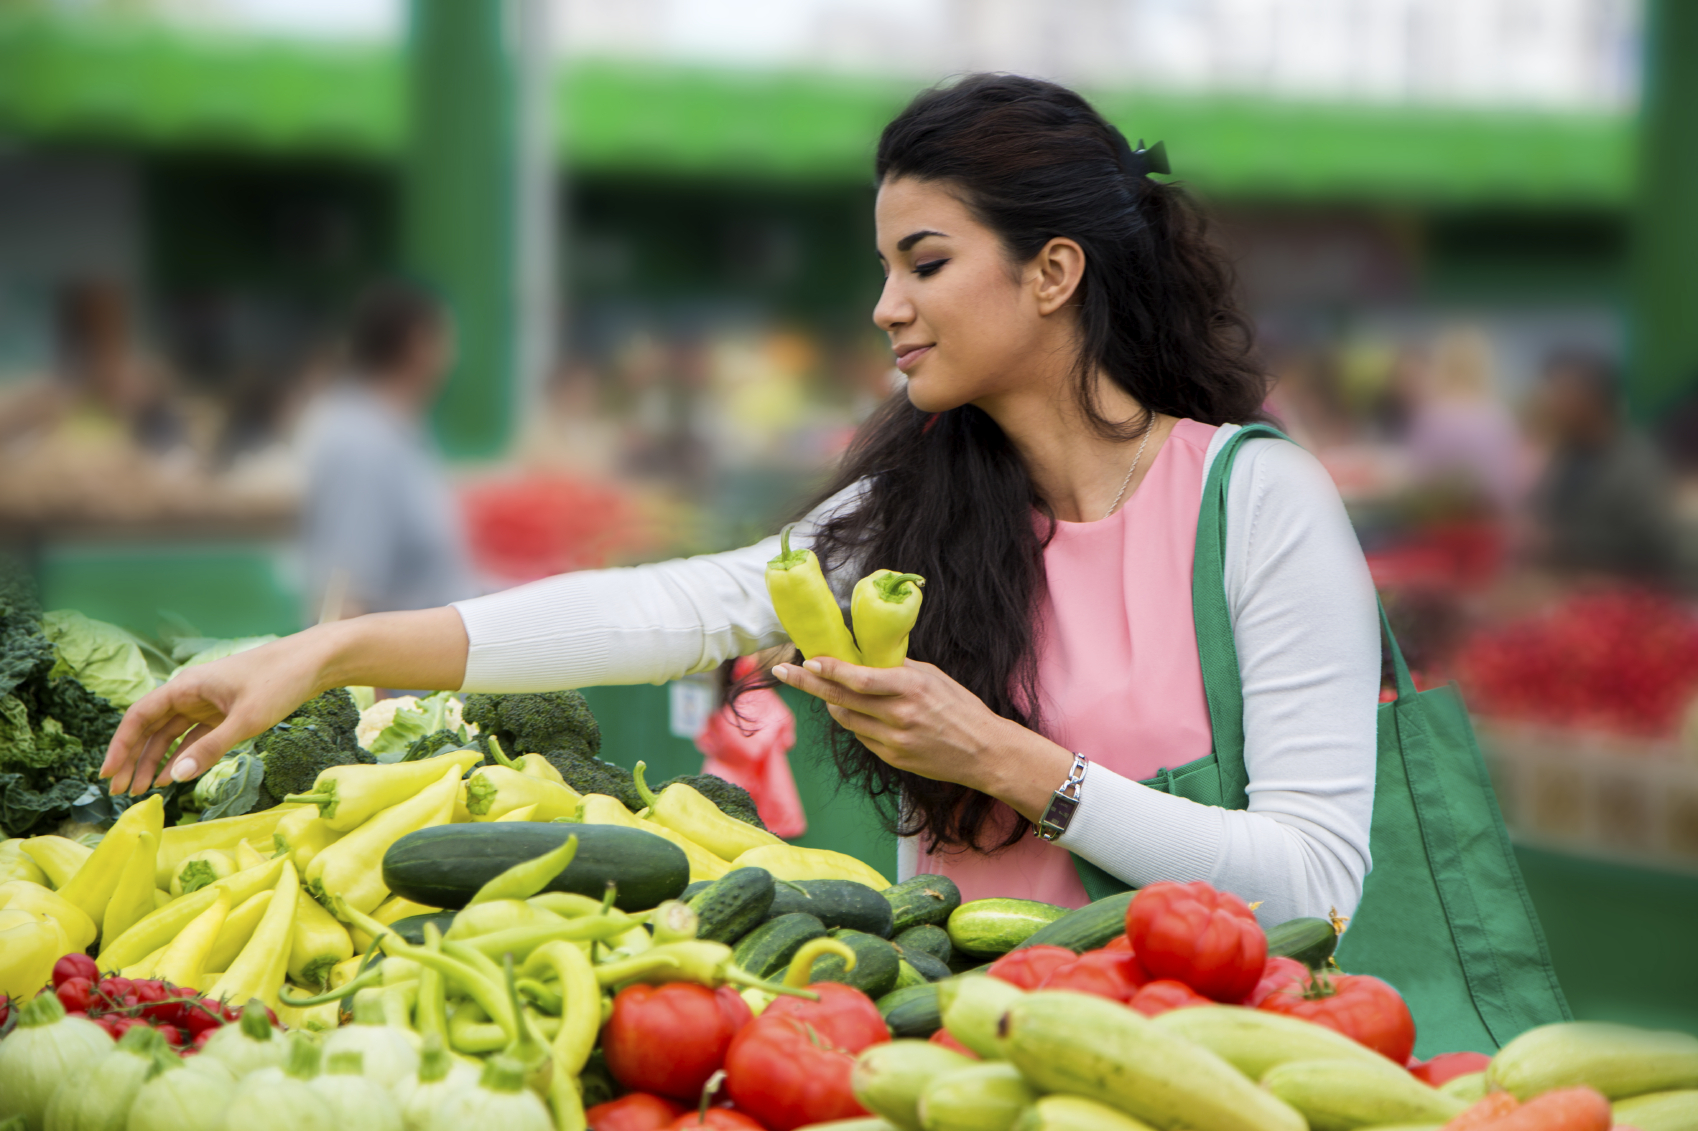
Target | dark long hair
(947,496)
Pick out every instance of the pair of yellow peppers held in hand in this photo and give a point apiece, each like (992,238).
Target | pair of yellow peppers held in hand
(884,607)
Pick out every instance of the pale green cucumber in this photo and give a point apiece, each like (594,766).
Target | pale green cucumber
(888,1078)
(982,1097)
(1075,1113)
(863,1123)
(907,977)
(1096,1048)
(1617,1060)
(972,1010)
(1255,1040)
(1342,1095)
(1467,1088)
(1659,1111)
(990,928)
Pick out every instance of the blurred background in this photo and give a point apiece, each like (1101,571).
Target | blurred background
(309,307)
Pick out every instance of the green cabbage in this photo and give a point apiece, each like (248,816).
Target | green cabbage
(100,656)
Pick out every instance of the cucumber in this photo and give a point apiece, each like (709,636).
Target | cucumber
(696,888)
(1074,1113)
(924,964)
(444,866)
(1255,1040)
(733,905)
(1468,1088)
(876,964)
(1617,1060)
(412,927)
(887,1079)
(907,977)
(1088,928)
(932,939)
(1659,1111)
(1309,941)
(990,928)
(911,1012)
(980,1097)
(923,900)
(973,1007)
(1339,1095)
(1099,1049)
(836,903)
(768,949)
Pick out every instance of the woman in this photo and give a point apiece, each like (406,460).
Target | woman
(1074,360)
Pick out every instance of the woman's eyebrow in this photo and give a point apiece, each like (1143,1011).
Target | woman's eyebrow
(909,241)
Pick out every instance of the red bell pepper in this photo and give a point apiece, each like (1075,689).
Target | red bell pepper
(638,1111)
(1028,967)
(1447,1066)
(844,1017)
(1115,975)
(945,1038)
(1118,942)
(714,1119)
(785,1073)
(1163,995)
(1279,973)
(669,1039)
(1205,938)
(1360,1006)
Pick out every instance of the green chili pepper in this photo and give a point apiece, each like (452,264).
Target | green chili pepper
(472,1032)
(372,977)
(806,605)
(673,921)
(580,1023)
(431,1016)
(705,963)
(884,606)
(522,881)
(471,976)
(522,940)
(566,904)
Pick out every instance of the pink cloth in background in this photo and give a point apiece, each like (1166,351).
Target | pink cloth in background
(1117,659)
(759,760)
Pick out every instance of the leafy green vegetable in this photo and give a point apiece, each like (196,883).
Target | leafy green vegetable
(100,656)
(231,787)
(400,722)
(24,653)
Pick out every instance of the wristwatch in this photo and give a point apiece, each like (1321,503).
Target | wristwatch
(1058,814)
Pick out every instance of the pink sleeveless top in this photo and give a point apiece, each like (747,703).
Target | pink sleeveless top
(1117,659)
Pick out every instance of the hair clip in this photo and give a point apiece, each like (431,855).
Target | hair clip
(1143,161)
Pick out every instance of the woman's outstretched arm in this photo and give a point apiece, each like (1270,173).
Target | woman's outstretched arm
(216,705)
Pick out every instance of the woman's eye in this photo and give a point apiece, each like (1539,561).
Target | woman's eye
(930,268)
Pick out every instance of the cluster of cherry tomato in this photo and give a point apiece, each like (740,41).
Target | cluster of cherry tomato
(1618,661)
(184,1018)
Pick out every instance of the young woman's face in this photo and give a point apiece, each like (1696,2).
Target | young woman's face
(966,324)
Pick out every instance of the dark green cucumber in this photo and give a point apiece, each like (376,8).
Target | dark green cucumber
(929,966)
(907,976)
(1309,941)
(836,903)
(876,964)
(736,904)
(1088,928)
(444,866)
(933,940)
(922,900)
(696,889)
(767,950)
(988,928)
(911,1012)
(412,927)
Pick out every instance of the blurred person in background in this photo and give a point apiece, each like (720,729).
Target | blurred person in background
(1461,438)
(381,530)
(1604,504)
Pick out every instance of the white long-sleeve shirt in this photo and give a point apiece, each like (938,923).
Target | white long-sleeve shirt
(1304,622)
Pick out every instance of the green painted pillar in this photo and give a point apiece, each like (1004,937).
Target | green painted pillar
(1664,319)
(471,198)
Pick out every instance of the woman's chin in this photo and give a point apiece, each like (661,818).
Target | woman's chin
(927,396)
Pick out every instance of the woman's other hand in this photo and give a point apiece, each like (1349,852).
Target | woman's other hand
(920,720)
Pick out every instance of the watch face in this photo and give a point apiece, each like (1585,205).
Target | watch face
(1058,816)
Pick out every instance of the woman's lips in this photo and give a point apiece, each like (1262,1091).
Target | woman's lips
(907,359)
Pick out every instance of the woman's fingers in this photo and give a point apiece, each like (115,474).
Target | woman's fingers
(152,752)
(830,690)
(868,681)
(201,748)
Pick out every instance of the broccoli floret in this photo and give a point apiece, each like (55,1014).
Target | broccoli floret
(559,726)
(733,800)
(319,735)
(592,775)
(436,743)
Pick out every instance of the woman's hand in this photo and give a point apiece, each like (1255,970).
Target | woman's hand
(918,719)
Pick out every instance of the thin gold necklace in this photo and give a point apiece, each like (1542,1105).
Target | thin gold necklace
(1120,494)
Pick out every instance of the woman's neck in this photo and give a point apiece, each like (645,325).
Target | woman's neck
(1076,470)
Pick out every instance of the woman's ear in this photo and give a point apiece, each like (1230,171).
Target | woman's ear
(1055,273)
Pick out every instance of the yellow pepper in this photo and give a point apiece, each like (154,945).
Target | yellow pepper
(29,946)
(237,929)
(92,887)
(303,835)
(600,809)
(16,864)
(258,971)
(160,927)
(144,968)
(791,862)
(532,765)
(182,841)
(885,606)
(247,856)
(160,898)
(349,796)
(493,792)
(685,811)
(346,971)
(132,899)
(58,856)
(319,943)
(202,868)
(351,868)
(806,606)
(184,960)
(21,895)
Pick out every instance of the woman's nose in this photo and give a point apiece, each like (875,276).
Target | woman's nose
(893,310)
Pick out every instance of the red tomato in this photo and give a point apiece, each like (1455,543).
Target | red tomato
(173,1035)
(1028,967)
(1163,995)
(113,988)
(844,1017)
(74,965)
(784,1073)
(1276,975)
(1447,1066)
(714,1119)
(1118,942)
(1115,975)
(944,1038)
(638,1111)
(202,1016)
(1205,938)
(669,1039)
(1360,1006)
(75,994)
(5,1008)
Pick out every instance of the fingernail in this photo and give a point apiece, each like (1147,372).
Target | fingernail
(782,671)
(183,770)
(813,666)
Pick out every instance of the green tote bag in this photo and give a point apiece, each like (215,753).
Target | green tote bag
(1444,914)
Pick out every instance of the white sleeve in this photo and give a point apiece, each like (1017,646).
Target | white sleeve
(1308,639)
(638,624)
